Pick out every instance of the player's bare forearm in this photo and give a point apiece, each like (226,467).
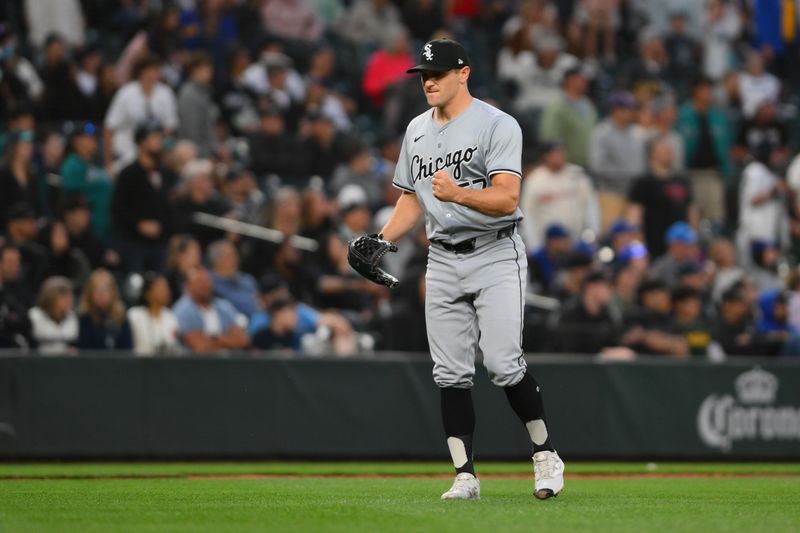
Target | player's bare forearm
(405,216)
(501,199)
(493,201)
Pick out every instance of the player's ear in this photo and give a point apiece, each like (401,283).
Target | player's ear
(463,74)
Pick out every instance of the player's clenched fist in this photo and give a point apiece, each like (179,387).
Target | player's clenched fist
(444,187)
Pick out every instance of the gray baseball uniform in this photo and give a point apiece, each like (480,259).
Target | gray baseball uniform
(475,290)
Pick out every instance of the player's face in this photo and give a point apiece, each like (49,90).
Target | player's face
(441,87)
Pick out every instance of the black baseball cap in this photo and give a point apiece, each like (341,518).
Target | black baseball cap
(235,172)
(681,294)
(76,129)
(577,259)
(441,55)
(548,146)
(144,129)
(270,282)
(595,276)
(75,201)
(734,294)
(653,285)
(689,268)
(20,211)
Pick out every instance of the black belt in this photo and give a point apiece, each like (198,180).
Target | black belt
(469,245)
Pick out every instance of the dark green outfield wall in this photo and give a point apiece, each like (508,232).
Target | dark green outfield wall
(95,407)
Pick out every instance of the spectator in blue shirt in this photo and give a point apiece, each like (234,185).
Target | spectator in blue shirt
(282,329)
(308,320)
(235,286)
(546,261)
(207,324)
(782,337)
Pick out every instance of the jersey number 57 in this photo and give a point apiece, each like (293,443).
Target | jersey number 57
(482,183)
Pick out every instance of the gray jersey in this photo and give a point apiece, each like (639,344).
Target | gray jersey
(478,143)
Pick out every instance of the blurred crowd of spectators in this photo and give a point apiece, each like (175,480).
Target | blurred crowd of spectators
(661,191)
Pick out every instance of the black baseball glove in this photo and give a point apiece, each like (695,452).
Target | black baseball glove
(365,253)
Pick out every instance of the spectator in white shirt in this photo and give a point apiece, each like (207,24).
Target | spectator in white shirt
(145,99)
(153,324)
(55,324)
(17,68)
(722,254)
(256,77)
(86,77)
(721,28)
(793,183)
(366,22)
(61,17)
(557,192)
(762,207)
(756,85)
(516,60)
(536,77)
(292,20)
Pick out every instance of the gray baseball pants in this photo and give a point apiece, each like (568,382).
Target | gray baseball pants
(476,299)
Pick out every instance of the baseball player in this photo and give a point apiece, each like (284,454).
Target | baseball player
(460,168)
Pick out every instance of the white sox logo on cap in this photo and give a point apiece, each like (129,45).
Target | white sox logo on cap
(441,55)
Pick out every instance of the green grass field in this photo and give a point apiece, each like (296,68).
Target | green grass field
(386,497)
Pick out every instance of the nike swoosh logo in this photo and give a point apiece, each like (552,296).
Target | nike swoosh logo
(418,138)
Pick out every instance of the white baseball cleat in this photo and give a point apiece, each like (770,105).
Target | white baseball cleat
(465,487)
(548,474)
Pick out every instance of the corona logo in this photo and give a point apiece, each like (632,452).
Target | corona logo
(756,386)
(724,419)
